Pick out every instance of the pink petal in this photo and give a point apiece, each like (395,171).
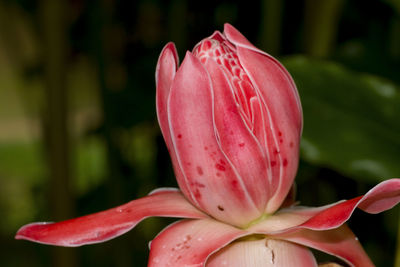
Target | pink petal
(339,242)
(105,225)
(215,186)
(262,253)
(285,220)
(167,66)
(190,242)
(281,110)
(165,73)
(380,198)
(238,39)
(236,140)
(283,119)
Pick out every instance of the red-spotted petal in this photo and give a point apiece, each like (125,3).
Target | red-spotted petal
(340,242)
(263,253)
(236,140)
(190,242)
(283,119)
(215,187)
(281,111)
(105,225)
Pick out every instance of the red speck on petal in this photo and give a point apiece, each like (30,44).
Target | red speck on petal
(276,151)
(205,148)
(186,241)
(198,184)
(220,167)
(234,183)
(199,170)
(273,163)
(218,174)
(179,136)
(281,140)
(285,162)
(241,144)
(280,133)
(222,161)
(197,193)
(291,144)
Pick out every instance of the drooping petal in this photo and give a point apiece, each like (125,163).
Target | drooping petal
(105,225)
(190,242)
(281,110)
(340,242)
(236,140)
(380,198)
(214,185)
(262,253)
(323,228)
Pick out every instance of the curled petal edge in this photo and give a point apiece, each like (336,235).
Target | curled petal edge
(382,197)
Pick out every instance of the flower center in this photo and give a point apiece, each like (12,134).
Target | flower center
(225,55)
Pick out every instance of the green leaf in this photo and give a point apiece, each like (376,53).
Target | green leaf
(351,120)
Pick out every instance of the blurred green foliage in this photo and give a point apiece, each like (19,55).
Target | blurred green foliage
(343,55)
(351,120)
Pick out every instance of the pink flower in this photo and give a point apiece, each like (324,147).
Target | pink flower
(232,120)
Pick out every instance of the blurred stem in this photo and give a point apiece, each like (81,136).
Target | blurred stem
(320,26)
(54,28)
(271,26)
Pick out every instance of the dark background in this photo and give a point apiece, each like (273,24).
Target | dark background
(78,128)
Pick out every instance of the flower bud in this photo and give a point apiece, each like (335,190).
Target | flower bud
(232,120)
